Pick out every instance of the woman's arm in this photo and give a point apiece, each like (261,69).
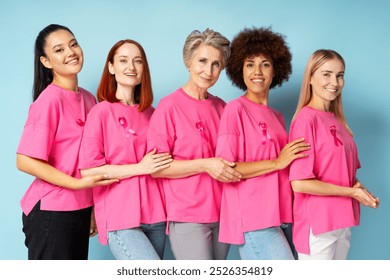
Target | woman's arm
(316,187)
(289,153)
(217,168)
(150,163)
(50,174)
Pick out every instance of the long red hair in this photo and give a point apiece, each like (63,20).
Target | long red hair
(143,93)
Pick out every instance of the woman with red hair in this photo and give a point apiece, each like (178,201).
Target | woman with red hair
(130,214)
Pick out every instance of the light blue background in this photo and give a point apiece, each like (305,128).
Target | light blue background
(358,29)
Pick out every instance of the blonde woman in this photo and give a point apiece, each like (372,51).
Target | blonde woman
(327,193)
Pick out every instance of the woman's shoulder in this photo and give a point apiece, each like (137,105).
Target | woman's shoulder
(50,95)
(234,104)
(86,93)
(217,102)
(101,108)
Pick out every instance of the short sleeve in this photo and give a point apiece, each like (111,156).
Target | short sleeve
(161,132)
(40,128)
(92,144)
(303,168)
(228,134)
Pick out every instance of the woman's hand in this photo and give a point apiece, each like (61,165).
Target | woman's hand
(291,152)
(93,228)
(362,195)
(222,170)
(153,162)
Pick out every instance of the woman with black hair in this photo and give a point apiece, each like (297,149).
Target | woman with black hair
(57,206)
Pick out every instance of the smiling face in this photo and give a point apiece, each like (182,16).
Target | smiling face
(258,72)
(63,55)
(127,66)
(205,67)
(327,83)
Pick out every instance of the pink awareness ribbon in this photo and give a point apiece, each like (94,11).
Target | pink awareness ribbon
(123,123)
(80,122)
(200,127)
(337,141)
(263,127)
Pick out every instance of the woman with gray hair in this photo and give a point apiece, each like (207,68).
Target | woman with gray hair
(185,124)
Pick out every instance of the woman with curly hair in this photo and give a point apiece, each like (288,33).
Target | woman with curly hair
(253,135)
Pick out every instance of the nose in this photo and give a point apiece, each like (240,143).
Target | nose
(70,51)
(131,65)
(334,80)
(258,70)
(208,69)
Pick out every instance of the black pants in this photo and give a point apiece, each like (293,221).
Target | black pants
(287,230)
(57,235)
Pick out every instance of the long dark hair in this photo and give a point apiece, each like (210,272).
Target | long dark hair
(42,75)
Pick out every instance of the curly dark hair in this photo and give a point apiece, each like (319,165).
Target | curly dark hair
(256,41)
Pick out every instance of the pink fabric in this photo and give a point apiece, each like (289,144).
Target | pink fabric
(330,160)
(52,133)
(251,132)
(116,134)
(187,128)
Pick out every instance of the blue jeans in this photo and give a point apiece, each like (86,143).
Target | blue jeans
(146,242)
(265,244)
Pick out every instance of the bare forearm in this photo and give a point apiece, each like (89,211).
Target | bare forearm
(114,171)
(316,187)
(45,172)
(254,169)
(181,169)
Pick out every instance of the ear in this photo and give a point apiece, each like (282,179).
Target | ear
(111,68)
(45,62)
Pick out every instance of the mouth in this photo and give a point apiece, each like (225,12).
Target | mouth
(258,80)
(130,74)
(73,61)
(332,90)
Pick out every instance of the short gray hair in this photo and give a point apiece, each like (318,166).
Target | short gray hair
(208,37)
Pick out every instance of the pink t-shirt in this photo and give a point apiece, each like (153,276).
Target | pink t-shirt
(333,158)
(251,132)
(52,133)
(116,134)
(187,128)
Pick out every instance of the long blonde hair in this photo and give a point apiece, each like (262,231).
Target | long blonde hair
(318,58)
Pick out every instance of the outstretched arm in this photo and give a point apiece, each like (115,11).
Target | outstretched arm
(50,174)
(150,163)
(216,168)
(292,151)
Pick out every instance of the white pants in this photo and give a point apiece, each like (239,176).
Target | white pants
(333,245)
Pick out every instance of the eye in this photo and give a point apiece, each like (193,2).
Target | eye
(326,75)
(138,61)
(123,60)
(59,50)
(217,64)
(75,44)
(340,76)
(203,60)
(249,65)
(266,65)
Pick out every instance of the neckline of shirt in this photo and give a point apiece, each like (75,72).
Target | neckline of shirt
(181,90)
